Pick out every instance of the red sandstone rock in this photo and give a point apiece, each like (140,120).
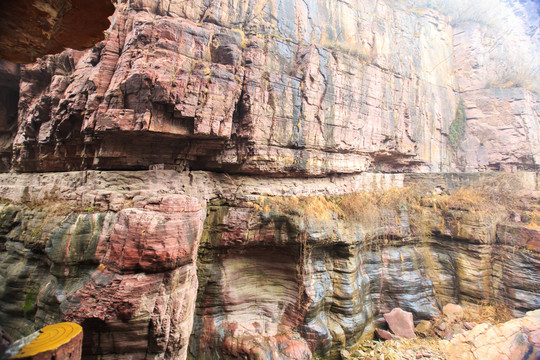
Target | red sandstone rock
(401,323)
(386,335)
(146,286)
(453,312)
(519,235)
(246,102)
(197,93)
(515,340)
(159,235)
(259,347)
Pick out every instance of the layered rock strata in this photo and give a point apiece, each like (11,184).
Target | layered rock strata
(110,251)
(127,276)
(260,87)
(251,87)
(205,142)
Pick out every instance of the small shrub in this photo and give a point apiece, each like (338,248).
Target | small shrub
(30,301)
(456,131)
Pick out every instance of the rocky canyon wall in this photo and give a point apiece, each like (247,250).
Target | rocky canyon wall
(264,179)
(246,87)
(138,262)
(297,88)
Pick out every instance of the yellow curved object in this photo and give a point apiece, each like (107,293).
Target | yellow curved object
(51,338)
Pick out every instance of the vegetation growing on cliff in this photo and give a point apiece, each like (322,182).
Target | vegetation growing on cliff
(457,128)
(408,210)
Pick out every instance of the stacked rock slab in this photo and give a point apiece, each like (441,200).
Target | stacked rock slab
(251,87)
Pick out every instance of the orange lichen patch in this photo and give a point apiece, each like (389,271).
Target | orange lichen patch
(51,338)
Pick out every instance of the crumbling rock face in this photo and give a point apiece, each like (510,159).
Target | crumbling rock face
(30,29)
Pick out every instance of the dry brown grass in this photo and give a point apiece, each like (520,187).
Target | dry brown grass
(491,199)
(360,207)
(401,349)
(308,207)
(534,219)
(488,313)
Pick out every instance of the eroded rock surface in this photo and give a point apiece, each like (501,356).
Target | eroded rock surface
(245,87)
(263,88)
(137,287)
(210,145)
(115,252)
(516,339)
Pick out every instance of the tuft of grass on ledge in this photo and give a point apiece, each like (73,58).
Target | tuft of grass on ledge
(491,199)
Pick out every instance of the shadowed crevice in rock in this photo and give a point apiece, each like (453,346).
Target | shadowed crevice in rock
(9,98)
(30,29)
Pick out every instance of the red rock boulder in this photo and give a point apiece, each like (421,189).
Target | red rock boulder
(401,323)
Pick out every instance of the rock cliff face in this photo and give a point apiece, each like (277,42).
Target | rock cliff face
(262,179)
(251,87)
(262,87)
(110,251)
(499,120)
